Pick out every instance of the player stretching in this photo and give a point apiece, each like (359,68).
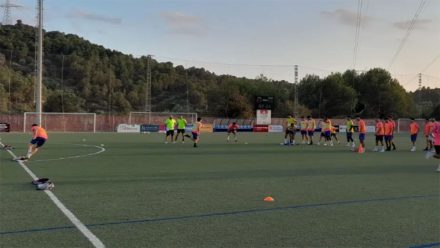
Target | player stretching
(349,132)
(303,128)
(170,123)
(435,134)
(414,130)
(290,120)
(38,139)
(380,132)
(233,128)
(196,131)
(362,132)
(181,125)
(311,126)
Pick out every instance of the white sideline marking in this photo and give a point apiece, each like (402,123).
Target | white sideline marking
(102,149)
(75,221)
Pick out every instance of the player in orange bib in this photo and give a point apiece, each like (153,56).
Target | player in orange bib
(388,130)
(414,130)
(426,132)
(393,129)
(362,132)
(380,132)
(39,137)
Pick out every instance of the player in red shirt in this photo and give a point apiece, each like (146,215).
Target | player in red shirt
(233,128)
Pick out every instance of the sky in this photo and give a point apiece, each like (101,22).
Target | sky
(252,37)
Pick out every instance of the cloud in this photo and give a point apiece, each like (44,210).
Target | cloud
(182,23)
(418,24)
(344,16)
(79,14)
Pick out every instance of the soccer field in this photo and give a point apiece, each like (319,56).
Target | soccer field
(132,190)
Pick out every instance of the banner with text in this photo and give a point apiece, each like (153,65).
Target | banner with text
(128,128)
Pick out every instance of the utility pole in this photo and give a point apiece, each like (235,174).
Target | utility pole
(420,80)
(296,104)
(39,63)
(187,91)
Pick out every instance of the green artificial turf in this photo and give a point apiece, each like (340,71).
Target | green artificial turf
(141,192)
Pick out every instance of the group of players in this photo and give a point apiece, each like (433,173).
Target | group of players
(385,128)
(384,133)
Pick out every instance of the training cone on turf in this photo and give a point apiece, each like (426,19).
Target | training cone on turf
(269,199)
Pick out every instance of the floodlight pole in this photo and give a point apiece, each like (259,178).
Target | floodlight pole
(39,81)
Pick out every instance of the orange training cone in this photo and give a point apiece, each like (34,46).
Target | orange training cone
(269,199)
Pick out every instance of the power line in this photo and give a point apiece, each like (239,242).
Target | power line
(431,63)
(408,31)
(242,64)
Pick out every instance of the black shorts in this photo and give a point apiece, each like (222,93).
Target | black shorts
(290,132)
(170,132)
(180,131)
(39,142)
(379,138)
(333,135)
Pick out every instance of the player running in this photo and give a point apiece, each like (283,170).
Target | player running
(414,130)
(380,132)
(181,125)
(334,134)
(311,126)
(349,132)
(39,137)
(170,123)
(233,128)
(303,129)
(362,133)
(196,132)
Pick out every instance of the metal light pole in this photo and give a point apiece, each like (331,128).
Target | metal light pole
(39,81)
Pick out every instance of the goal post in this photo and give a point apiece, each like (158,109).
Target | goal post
(158,117)
(403,124)
(62,122)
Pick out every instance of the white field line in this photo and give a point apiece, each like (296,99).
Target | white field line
(101,150)
(75,221)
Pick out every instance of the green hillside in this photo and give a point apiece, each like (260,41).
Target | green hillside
(83,77)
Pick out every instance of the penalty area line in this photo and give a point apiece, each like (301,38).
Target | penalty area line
(75,221)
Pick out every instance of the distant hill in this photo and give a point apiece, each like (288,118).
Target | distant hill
(83,77)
